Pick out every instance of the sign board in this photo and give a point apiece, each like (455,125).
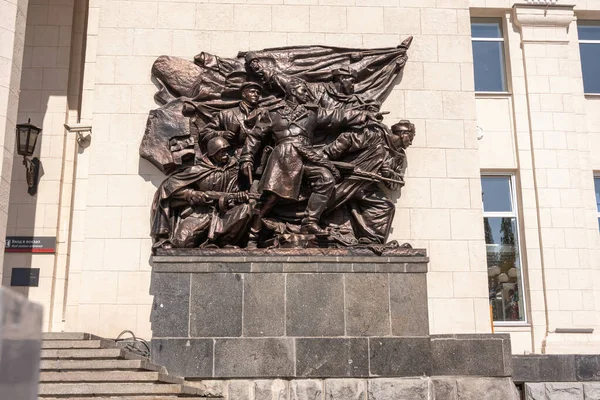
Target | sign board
(29,244)
(25,277)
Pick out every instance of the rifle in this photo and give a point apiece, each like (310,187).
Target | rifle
(353,173)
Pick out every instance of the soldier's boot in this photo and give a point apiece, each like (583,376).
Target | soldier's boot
(252,239)
(310,223)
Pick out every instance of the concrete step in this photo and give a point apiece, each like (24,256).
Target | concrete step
(111,389)
(130,397)
(108,376)
(66,336)
(82,353)
(65,364)
(75,344)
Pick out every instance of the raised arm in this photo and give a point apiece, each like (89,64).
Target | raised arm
(345,143)
(339,118)
(216,127)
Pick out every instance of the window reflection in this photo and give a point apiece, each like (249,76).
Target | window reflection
(502,249)
(589,49)
(488,55)
(496,194)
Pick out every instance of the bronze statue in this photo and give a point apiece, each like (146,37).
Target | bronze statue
(202,204)
(232,123)
(276,148)
(293,160)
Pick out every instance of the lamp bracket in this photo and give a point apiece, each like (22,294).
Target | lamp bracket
(32,172)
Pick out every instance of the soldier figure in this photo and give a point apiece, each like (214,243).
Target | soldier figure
(231,124)
(395,164)
(202,204)
(378,156)
(292,124)
(339,93)
(271,78)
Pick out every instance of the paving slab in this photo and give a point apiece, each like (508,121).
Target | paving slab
(82,353)
(97,364)
(72,344)
(158,397)
(63,389)
(108,376)
(65,336)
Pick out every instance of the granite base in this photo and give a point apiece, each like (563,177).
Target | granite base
(311,316)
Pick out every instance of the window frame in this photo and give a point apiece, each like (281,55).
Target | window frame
(515,213)
(588,22)
(597,178)
(505,64)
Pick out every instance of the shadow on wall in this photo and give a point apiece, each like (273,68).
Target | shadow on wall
(24,215)
(43,99)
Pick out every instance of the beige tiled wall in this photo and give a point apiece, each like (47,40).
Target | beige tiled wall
(43,99)
(546,124)
(13,14)
(552,153)
(440,207)
(103,232)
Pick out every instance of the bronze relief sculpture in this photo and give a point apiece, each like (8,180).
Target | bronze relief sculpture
(278,148)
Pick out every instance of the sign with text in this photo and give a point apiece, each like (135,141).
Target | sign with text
(29,244)
(28,277)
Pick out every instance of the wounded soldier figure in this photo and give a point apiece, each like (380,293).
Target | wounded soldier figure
(202,205)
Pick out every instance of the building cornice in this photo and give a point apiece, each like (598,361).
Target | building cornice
(543,23)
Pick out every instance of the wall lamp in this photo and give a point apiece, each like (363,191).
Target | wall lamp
(27,135)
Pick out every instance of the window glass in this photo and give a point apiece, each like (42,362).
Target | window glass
(505,281)
(486,28)
(488,62)
(488,55)
(497,196)
(589,49)
(588,30)
(590,64)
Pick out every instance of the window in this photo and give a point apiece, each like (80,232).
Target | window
(589,47)
(502,248)
(597,189)
(488,55)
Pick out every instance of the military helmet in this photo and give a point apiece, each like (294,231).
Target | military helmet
(215,144)
(250,56)
(404,126)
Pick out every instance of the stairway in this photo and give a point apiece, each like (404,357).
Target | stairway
(83,366)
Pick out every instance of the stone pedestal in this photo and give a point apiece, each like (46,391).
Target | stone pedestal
(307,316)
(20,346)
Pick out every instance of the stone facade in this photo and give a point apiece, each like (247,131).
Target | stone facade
(463,388)
(89,62)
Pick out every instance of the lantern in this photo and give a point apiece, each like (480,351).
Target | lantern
(27,135)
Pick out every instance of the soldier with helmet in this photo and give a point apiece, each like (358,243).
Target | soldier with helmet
(202,204)
(340,92)
(231,124)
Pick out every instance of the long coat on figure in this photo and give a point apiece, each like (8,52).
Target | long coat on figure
(176,221)
(293,155)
